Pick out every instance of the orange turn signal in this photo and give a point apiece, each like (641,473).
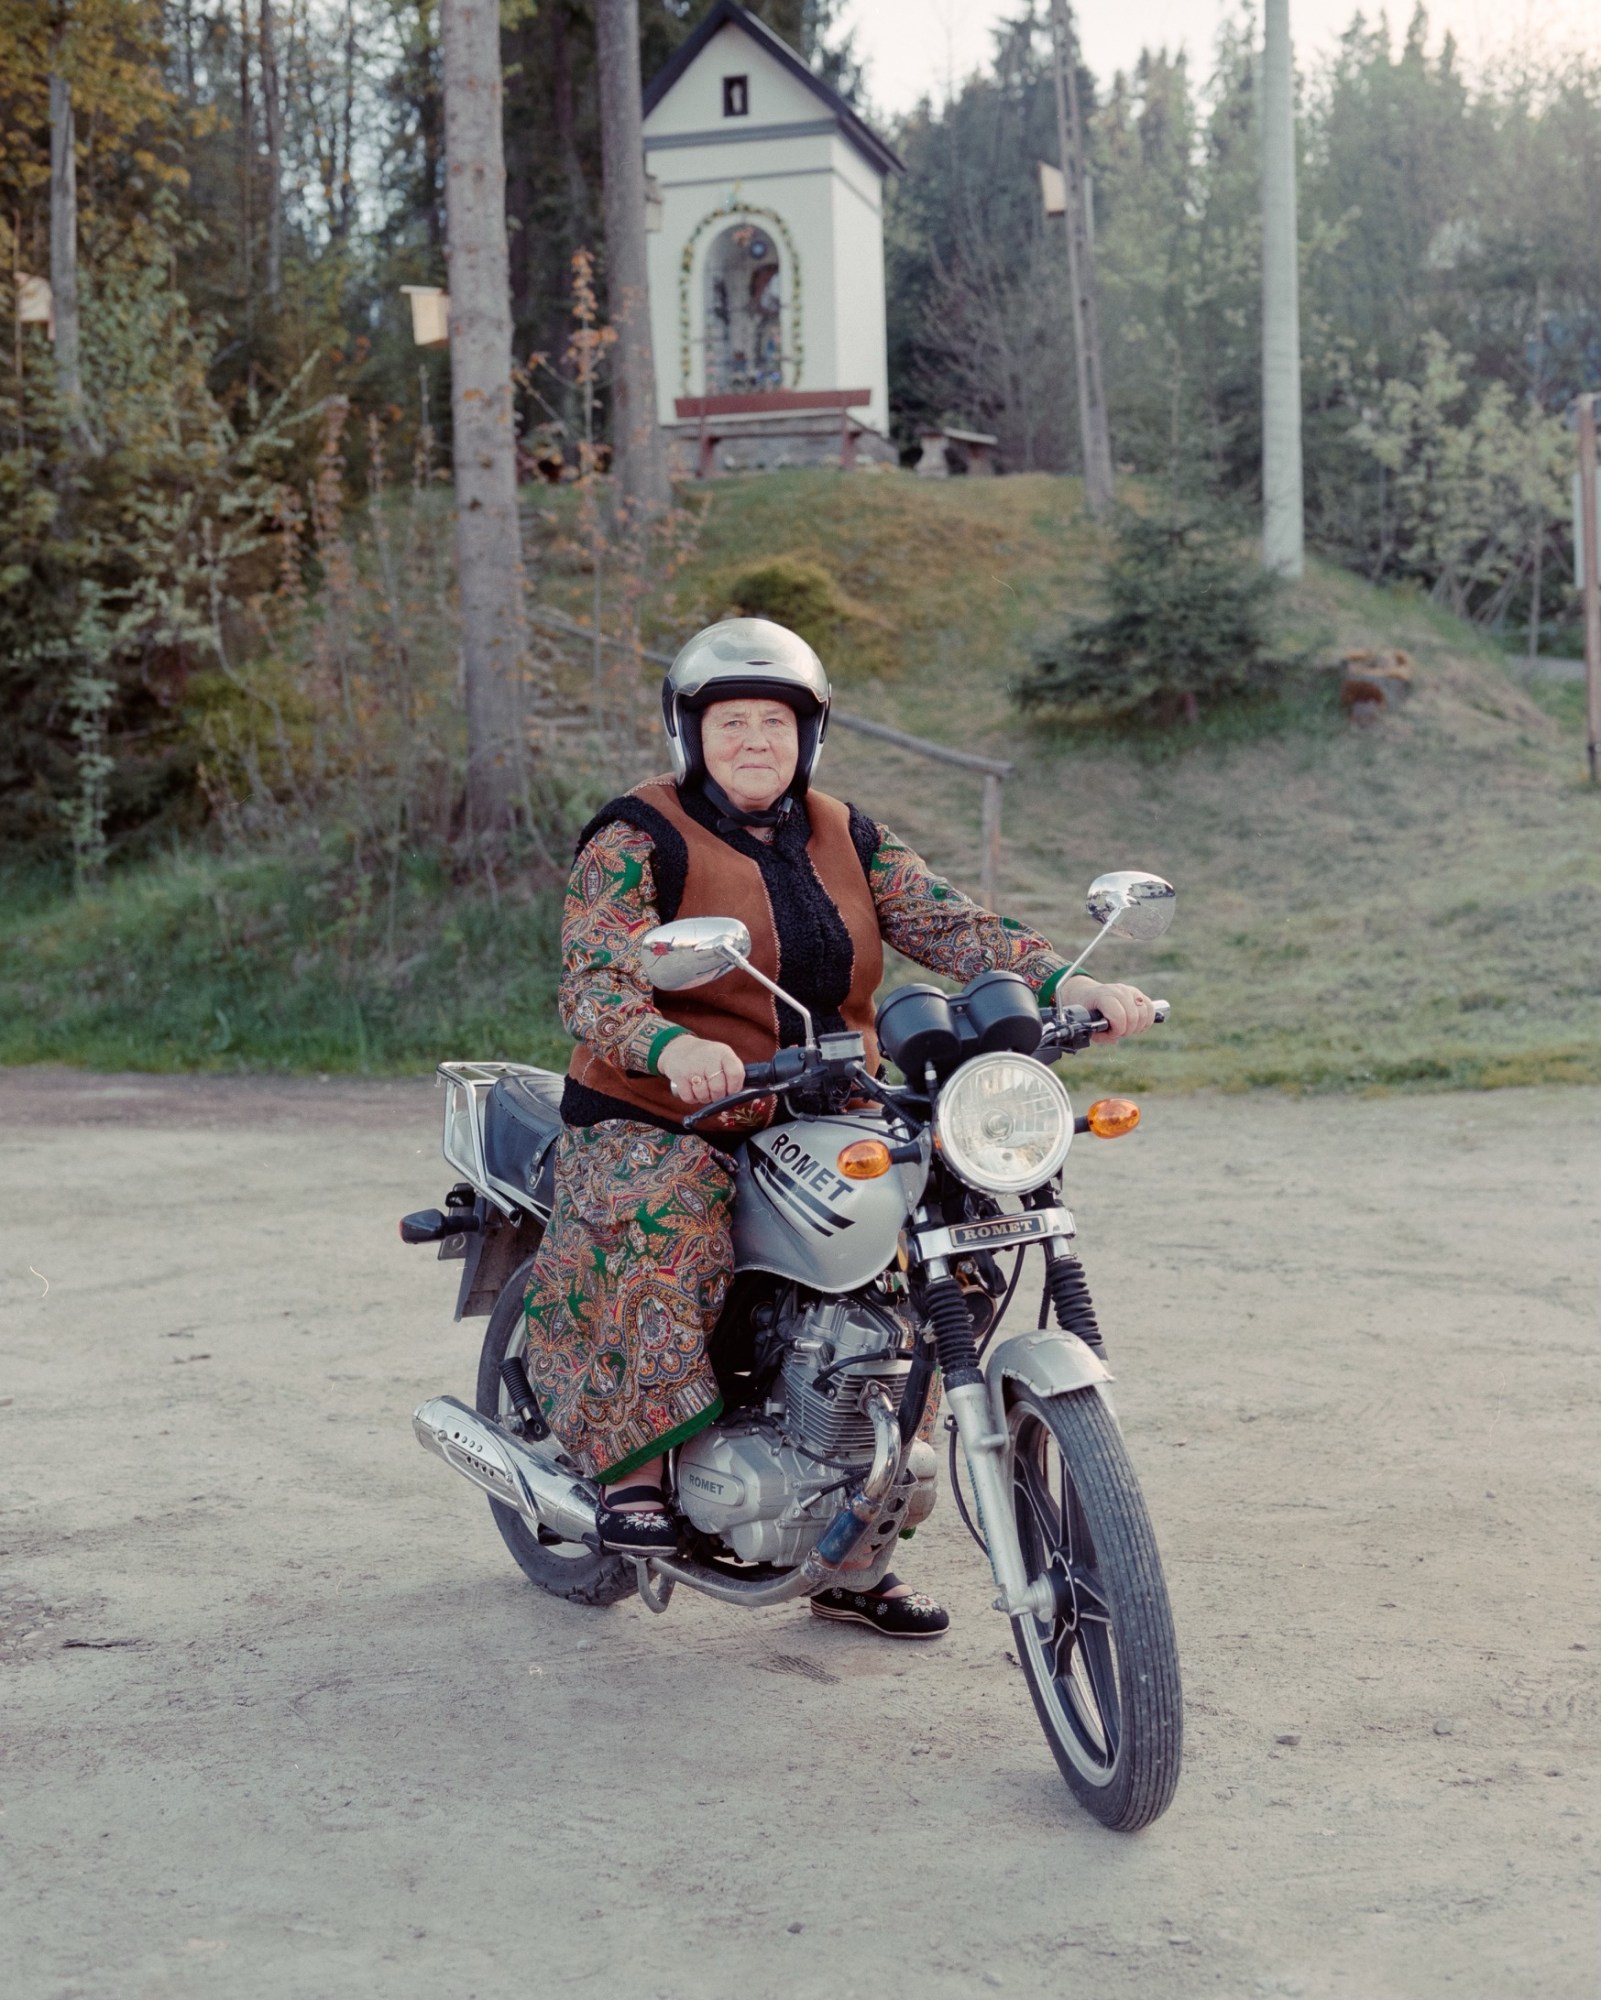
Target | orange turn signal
(1111,1117)
(866,1159)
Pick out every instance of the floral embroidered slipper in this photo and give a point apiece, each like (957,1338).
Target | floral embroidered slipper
(633,1521)
(915,1616)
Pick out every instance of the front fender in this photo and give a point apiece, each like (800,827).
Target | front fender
(1050,1363)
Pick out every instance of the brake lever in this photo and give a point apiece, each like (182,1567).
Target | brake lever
(728,1104)
(1064,1035)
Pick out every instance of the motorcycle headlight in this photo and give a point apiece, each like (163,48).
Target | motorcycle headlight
(1003,1123)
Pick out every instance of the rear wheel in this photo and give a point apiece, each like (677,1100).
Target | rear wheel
(565,1569)
(1103,1670)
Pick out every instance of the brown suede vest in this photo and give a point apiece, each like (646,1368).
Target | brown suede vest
(735,1009)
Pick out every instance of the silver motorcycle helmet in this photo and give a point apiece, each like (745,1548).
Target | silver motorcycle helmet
(744,657)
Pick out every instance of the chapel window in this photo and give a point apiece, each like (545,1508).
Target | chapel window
(744,308)
(736,96)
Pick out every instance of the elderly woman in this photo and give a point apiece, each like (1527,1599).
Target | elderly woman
(638,1257)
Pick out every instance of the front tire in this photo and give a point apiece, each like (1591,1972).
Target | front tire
(565,1569)
(1104,1669)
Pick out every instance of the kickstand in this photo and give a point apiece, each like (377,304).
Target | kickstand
(657,1592)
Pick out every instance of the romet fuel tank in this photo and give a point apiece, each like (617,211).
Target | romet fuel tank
(796,1215)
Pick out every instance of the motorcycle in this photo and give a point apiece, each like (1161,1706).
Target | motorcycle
(870,1223)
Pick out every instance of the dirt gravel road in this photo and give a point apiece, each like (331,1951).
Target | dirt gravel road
(283,1720)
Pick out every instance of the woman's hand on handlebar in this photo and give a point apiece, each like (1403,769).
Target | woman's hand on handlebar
(700,1072)
(1126,1010)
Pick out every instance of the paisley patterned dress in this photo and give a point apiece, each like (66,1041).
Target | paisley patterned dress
(638,1258)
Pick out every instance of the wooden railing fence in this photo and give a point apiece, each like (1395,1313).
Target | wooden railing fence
(993,770)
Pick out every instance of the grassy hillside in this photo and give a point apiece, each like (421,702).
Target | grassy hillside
(1416,903)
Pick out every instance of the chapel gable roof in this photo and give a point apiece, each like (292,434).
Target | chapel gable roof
(728,13)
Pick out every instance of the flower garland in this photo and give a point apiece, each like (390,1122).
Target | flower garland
(735,205)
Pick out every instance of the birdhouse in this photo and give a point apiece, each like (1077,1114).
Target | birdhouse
(36,304)
(430,315)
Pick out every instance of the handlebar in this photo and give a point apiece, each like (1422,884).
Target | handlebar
(1073,1027)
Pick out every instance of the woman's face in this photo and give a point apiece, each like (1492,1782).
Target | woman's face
(751,749)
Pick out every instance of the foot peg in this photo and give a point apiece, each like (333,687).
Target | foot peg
(520,1390)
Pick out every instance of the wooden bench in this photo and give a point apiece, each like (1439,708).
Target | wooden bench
(772,413)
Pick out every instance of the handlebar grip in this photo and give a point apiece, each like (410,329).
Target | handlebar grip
(1099,1023)
(786,1067)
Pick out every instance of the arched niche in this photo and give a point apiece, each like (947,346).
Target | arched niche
(745,267)
(744,308)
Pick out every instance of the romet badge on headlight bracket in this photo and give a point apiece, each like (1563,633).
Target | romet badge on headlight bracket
(1003,1123)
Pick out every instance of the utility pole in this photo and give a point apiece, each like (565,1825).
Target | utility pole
(641,466)
(489,562)
(1283,527)
(1096,443)
(1590,542)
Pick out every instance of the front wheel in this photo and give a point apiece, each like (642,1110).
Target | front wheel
(565,1569)
(1103,1670)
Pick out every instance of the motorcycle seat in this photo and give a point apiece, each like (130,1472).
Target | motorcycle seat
(522,1121)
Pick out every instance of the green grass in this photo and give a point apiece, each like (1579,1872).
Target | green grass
(1410,906)
(279,962)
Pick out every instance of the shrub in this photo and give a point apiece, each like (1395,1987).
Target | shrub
(1189,623)
(790,591)
(795,591)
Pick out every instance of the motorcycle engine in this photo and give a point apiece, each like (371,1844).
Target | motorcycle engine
(767,1484)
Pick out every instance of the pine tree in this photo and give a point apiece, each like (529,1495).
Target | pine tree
(1188,624)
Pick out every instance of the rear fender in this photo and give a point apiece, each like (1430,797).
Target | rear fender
(490,1258)
(1048,1362)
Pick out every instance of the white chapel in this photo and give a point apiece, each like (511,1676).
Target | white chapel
(766,255)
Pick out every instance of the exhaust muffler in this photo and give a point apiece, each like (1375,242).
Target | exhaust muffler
(516,1474)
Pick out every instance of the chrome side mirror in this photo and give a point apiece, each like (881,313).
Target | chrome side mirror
(1128,903)
(692,952)
(696,950)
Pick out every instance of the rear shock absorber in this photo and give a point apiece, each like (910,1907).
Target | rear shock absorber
(1068,1291)
(945,1304)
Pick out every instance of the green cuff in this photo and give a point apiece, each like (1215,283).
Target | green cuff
(656,1047)
(1047,992)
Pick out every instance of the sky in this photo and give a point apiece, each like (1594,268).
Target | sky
(917,47)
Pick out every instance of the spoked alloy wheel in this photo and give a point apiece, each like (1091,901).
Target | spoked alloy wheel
(1103,1670)
(565,1569)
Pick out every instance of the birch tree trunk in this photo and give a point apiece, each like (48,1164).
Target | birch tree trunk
(272,115)
(1283,530)
(640,461)
(64,258)
(1096,442)
(489,563)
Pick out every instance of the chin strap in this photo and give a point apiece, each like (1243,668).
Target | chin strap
(734,819)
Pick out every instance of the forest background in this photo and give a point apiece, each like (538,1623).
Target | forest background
(225,602)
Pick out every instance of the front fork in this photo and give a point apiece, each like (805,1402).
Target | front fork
(987,1467)
(985,1442)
